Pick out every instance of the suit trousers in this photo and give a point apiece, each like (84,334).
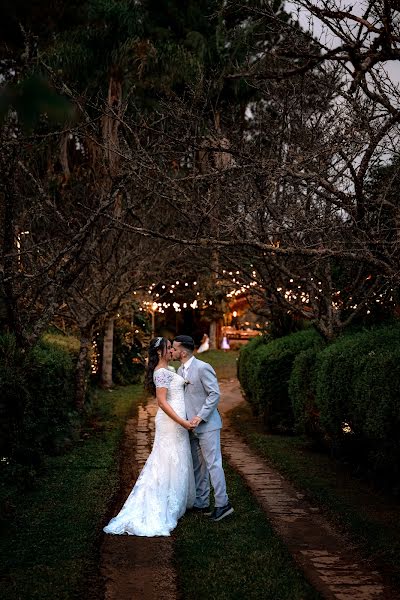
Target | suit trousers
(207,464)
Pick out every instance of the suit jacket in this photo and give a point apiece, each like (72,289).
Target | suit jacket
(202,395)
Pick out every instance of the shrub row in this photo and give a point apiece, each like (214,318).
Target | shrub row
(264,369)
(356,384)
(346,394)
(36,400)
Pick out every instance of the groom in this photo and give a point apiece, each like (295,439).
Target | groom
(201,400)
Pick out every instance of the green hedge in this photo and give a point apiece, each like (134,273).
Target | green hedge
(264,372)
(302,394)
(377,411)
(341,365)
(36,400)
(345,394)
(247,366)
(357,382)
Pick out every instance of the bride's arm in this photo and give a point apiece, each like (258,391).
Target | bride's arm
(161,396)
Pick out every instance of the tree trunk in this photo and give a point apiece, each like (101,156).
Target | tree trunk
(213,335)
(222,161)
(10,268)
(110,128)
(106,368)
(81,366)
(111,122)
(64,156)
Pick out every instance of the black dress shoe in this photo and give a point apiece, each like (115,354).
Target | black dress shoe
(220,512)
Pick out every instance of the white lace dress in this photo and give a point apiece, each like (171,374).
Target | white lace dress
(165,487)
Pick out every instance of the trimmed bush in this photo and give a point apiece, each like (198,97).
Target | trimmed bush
(52,381)
(346,394)
(302,394)
(68,343)
(377,410)
(247,366)
(14,392)
(265,371)
(357,383)
(337,368)
(37,400)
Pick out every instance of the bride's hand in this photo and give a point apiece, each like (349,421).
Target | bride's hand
(187,425)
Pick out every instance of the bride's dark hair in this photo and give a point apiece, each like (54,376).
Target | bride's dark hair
(157,344)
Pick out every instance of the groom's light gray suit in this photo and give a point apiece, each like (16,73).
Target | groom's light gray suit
(201,399)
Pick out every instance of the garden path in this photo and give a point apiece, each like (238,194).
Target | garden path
(329,562)
(137,568)
(143,568)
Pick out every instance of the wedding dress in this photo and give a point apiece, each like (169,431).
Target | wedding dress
(205,344)
(165,487)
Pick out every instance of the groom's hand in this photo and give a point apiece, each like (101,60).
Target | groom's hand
(195,421)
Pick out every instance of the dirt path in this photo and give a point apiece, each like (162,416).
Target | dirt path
(136,568)
(329,563)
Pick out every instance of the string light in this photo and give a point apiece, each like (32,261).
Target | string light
(241,287)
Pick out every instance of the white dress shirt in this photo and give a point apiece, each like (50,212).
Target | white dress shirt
(185,367)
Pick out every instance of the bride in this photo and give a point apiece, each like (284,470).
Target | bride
(165,487)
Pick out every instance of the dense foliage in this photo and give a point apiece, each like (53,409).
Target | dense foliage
(343,395)
(302,394)
(128,358)
(37,400)
(356,383)
(264,372)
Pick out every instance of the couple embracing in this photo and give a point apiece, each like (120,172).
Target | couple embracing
(186,452)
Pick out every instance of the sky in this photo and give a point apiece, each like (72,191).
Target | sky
(321,32)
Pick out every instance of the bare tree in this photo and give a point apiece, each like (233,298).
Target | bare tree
(293,199)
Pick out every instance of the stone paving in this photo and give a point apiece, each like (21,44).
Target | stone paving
(137,568)
(330,564)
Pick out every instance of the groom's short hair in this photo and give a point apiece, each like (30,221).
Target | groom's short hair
(186,341)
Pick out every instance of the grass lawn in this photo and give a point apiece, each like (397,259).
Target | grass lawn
(49,541)
(367,516)
(239,557)
(224,363)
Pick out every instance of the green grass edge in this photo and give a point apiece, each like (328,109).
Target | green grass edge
(363,514)
(50,534)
